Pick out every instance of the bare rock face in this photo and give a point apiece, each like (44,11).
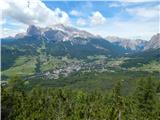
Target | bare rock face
(54,35)
(61,32)
(137,44)
(154,43)
(33,30)
(58,32)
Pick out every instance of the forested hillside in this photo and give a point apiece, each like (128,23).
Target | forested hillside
(141,58)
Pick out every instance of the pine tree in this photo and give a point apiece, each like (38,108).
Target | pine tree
(145,95)
(116,103)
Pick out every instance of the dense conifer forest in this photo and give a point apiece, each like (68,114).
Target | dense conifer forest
(42,103)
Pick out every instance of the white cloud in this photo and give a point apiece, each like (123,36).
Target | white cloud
(33,12)
(75,13)
(4,5)
(126,29)
(136,1)
(97,18)
(143,24)
(81,22)
(112,5)
(20,28)
(150,12)
(2,21)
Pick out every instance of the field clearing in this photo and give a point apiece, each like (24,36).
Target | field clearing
(153,66)
(21,68)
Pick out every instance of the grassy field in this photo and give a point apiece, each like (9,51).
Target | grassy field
(153,66)
(50,63)
(23,66)
(21,61)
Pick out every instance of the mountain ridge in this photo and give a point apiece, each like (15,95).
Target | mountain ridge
(53,42)
(60,32)
(154,42)
(63,33)
(136,44)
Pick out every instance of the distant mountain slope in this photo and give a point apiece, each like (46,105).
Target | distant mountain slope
(154,43)
(57,41)
(141,58)
(12,48)
(135,45)
(58,32)
(138,44)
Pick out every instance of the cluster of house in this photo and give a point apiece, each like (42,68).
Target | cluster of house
(63,71)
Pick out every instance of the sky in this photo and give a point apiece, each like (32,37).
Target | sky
(135,19)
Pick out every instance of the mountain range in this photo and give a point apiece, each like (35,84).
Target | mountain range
(60,40)
(57,32)
(154,43)
(138,44)
(61,33)
(57,41)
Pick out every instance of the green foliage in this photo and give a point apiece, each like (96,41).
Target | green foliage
(26,68)
(91,81)
(9,56)
(38,65)
(146,99)
(13,48)
(65,104)
(15,84)
(141,58)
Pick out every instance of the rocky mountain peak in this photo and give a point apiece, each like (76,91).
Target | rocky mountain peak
(58,32)
(137,44)
(154,42)
(33,30)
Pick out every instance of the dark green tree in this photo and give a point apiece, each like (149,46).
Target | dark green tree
(116,105)
(145,98)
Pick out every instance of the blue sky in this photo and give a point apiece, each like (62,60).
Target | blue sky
(106,18)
